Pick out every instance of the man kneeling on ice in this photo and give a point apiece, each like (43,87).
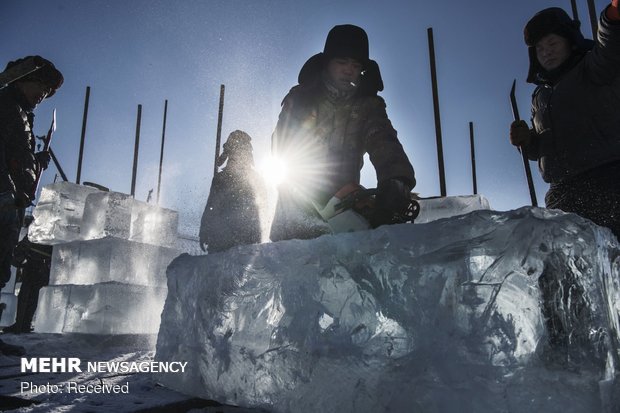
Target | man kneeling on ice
(328,122)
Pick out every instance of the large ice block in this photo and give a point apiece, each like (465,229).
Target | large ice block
(120,215)
(106,308)
(487,312)
(153,225)
(107,214)
(58,213)
(110,259)
(432,209)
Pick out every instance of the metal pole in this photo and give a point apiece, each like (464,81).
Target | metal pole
(58,167)
(135,153)
(442,174)
(83,135)
(473,157)
(593,18)
(161,153)
(219,128)
(573,5)
(526,162)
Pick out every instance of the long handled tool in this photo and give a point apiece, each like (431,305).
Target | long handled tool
(526,162)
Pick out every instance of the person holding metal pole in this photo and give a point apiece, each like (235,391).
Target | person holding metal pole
(576,128)
(20,166)
(327,123)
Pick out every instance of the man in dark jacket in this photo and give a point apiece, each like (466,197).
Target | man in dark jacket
(328,122)
(19,164)
(231,216)
(576,133)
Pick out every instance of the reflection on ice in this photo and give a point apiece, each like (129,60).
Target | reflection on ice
(505,306)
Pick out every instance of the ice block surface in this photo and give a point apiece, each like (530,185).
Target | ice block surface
(105,308)
(486,312)
(58,213)
(436,208)
(110,259)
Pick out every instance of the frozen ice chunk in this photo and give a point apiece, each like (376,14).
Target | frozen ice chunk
(120,215)
(153,225)
(107,214)
(445,207)
(107,308)
(58,213)
(487,312)
(110,259)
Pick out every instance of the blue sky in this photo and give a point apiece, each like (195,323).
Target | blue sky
(146,51)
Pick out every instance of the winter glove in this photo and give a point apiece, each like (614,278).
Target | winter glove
(393,199)
(520,134)
(22,199)
(43,158)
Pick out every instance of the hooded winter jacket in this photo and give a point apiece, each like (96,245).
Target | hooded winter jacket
(323,136)
(576,110)
(18,165)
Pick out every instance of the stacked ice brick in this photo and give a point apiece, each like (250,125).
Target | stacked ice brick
(109,262)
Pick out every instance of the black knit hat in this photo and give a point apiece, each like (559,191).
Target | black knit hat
(347,40)
(552,20)
(46,73)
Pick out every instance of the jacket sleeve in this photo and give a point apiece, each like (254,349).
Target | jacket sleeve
(8,118)
(382,144)
(603,63)
(279,139)
(19,163)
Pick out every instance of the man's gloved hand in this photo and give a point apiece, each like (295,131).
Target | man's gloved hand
(43,158)
(520,134)
(393,195)
(23,200)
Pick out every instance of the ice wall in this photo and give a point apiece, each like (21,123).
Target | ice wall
(487,312)
(109,276)
(58,214)
(432,209)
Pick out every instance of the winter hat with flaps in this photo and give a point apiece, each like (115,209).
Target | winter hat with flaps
(238,142)
(46,74)
(345,40)
(552,20)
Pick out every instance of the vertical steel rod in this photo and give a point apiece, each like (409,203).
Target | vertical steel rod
(526,162)
(573,5)
(473,157)
(135,153)
(218,137)
(83,136)
(593,19)
(161,153)
(442,174)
